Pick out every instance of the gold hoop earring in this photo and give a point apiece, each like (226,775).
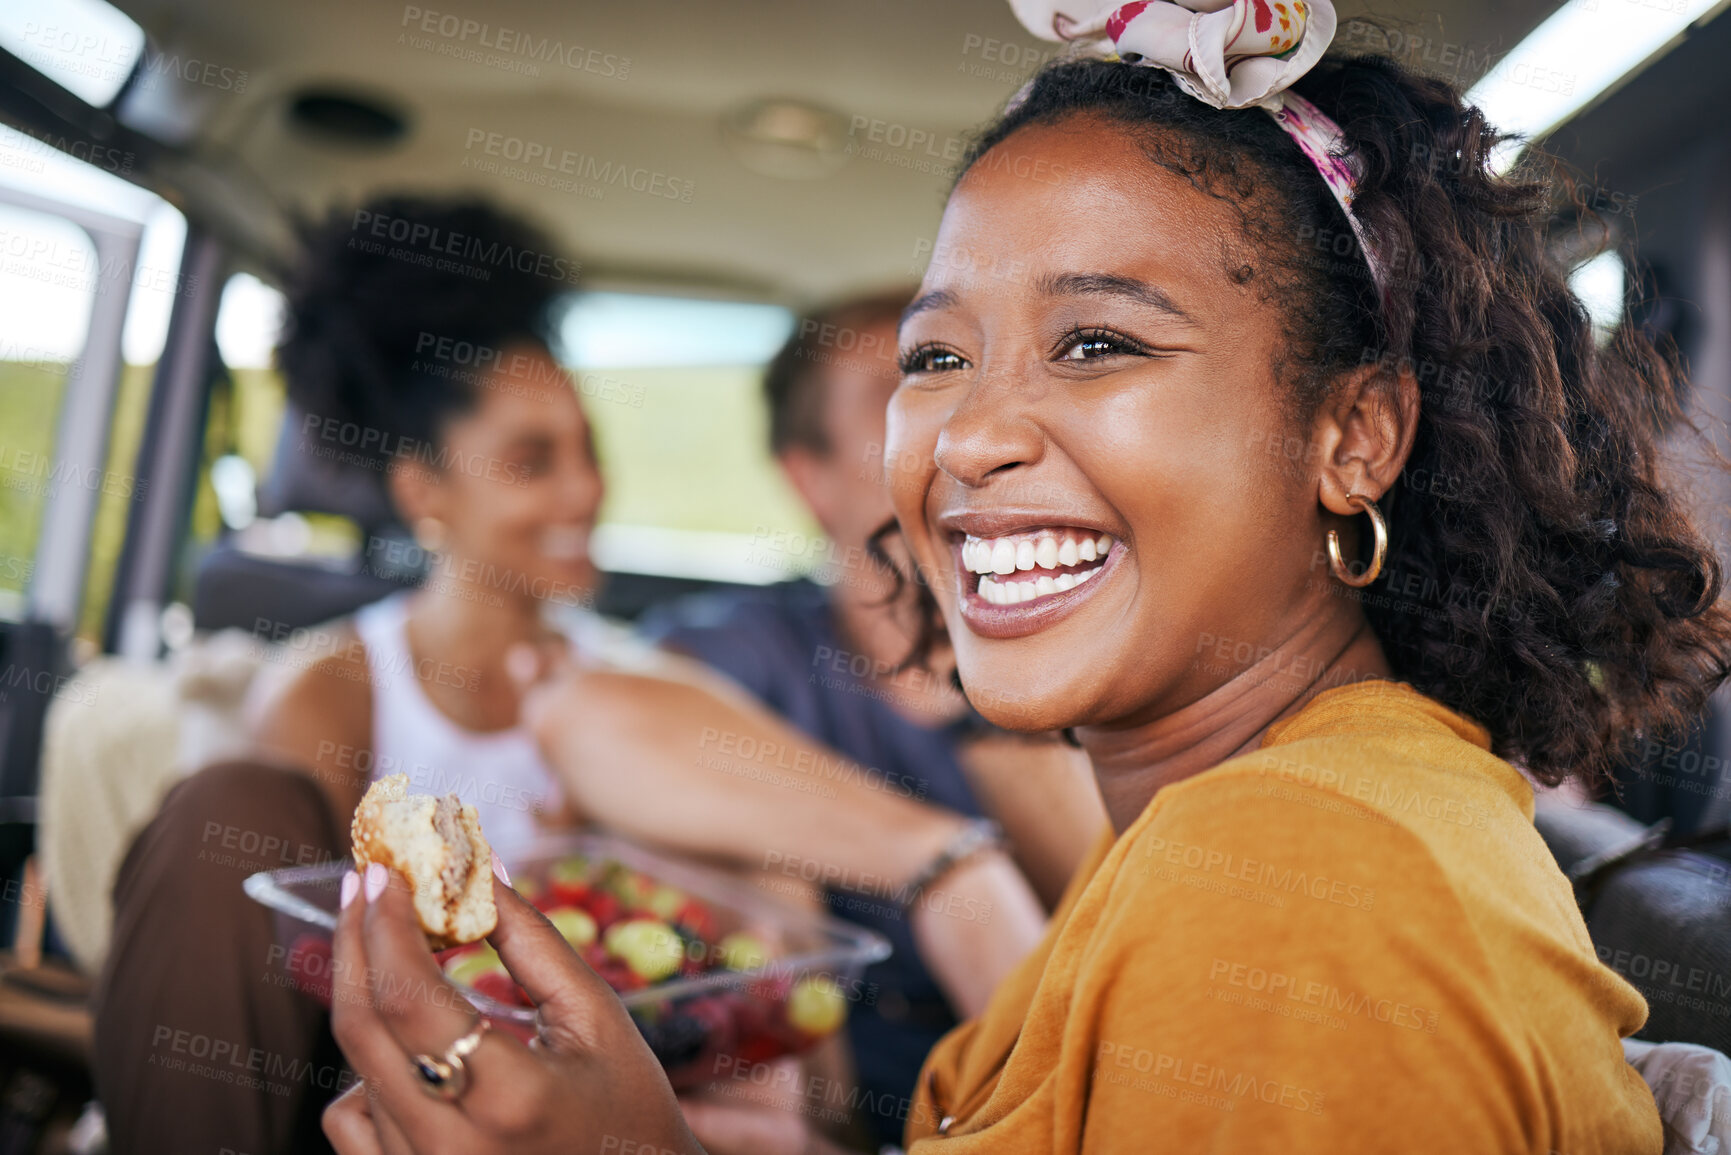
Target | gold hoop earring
(430,534)
(1337,564)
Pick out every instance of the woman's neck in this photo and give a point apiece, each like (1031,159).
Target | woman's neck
(1132,763)
(471,631)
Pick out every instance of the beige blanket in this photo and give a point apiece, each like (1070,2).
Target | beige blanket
(118,736)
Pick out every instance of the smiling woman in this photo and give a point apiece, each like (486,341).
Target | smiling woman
(1142,454)
(1539,577)
(433,374)
(1191,345)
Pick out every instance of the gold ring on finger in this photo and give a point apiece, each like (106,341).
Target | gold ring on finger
(446,1076)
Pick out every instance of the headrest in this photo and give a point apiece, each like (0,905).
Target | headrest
(318,469)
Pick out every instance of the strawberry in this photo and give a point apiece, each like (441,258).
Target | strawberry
(309,964)
(695,917)
(758,1039)
(612,970)
(758,1047)
(569,893)
(604,908)
(498,986)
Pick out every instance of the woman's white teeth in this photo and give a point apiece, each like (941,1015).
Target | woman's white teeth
(1047,549)
(1002,593)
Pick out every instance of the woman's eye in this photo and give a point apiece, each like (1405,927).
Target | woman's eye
(932,359)
(1092,344)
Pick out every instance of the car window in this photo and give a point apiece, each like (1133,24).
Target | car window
(53,274)
(673,387)
(46,292)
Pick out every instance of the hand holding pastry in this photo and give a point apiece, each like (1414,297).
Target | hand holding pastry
(437,845)
(435,1080)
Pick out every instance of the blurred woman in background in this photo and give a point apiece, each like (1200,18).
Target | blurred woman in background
(447,382)
(437,382)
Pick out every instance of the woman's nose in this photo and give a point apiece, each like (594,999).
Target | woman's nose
(582,488)
(989,432)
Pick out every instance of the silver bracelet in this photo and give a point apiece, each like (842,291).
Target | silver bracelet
(976,837)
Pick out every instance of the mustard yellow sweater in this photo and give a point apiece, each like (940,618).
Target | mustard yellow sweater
(1351,940)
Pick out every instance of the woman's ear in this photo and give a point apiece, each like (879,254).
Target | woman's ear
(414,491)
(803,470)
(813,477)
(1365,431)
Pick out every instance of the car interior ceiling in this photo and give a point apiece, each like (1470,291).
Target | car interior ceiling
(739,233)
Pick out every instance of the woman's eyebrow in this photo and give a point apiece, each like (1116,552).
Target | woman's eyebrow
(937,299)
(1107,284)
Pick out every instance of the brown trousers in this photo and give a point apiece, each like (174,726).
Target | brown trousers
(204,1044)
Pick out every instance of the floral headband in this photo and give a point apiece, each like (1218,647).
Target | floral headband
(1226,53)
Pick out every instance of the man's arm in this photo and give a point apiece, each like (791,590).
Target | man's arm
(1043,793)
(693,764)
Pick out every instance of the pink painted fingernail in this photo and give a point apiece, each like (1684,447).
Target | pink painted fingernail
(351,887)
(499,869)
(377,876)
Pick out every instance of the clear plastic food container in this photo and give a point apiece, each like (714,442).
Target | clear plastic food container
(714,972)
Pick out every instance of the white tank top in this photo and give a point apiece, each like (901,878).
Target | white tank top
(501,772)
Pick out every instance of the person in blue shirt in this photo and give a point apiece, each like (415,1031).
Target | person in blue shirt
(826,658)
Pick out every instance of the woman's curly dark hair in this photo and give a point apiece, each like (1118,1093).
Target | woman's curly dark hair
(1540,577)
(391,302)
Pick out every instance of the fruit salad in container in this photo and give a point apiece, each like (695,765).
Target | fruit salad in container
(714,972)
